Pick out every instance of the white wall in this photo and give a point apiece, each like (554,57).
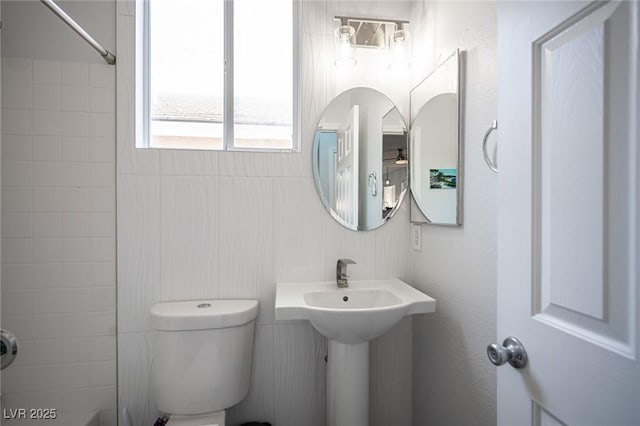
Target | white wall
(58,212)
(221,224)
(453,382)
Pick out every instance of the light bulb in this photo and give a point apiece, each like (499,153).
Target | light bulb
(399,49)
(345,52)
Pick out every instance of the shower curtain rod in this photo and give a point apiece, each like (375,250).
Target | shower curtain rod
(106,55)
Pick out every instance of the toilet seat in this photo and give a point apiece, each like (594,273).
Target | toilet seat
(209,419)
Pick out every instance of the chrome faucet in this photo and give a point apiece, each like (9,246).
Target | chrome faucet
(341,272)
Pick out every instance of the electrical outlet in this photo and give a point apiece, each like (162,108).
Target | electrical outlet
(416,237)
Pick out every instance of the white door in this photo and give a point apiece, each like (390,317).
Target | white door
(347,169)
(569,229)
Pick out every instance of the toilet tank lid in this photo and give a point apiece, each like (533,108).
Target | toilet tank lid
(202,314)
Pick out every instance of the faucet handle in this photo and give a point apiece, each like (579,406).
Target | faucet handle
(346,261)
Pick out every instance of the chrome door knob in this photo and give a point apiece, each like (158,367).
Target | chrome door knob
(511,351)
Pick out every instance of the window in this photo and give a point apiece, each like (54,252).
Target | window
(221,74)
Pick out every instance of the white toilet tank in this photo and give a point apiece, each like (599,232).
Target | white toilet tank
(202,354)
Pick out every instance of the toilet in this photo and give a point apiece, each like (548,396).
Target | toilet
(202,358)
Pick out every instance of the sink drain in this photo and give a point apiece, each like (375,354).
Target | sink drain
(345,298)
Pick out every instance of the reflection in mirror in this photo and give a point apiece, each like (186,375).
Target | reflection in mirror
(435,145)
(360,159)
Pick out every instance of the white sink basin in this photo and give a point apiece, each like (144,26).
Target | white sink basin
(362,312)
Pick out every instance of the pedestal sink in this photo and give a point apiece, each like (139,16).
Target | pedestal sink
(350,318)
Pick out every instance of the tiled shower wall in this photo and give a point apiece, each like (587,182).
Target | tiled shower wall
(58,234)
(202,224)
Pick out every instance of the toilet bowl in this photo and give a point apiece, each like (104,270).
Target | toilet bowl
(203,353)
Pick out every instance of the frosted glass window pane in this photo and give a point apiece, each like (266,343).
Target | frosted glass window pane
(263,73)
(186,73)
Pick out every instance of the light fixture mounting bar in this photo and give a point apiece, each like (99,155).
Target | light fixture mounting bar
(371,20)
(369,32)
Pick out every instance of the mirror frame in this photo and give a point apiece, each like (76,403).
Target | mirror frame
(316,176)
(417,215)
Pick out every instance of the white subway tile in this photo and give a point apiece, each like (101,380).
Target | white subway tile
(46,123)
(46,97)
(76,350)
(75,74)
(46,225)
(76,249)
(74,98)
(46,148)
(46,275)
(17,303)
(76,149)
(75,199)
(48,351)
(16,225)
(103,299)
(75,401)
(76,274)
(103,348)
(103,373)
(47,250)
(76,174)
(103,125)
(17,121)
(58,377)
(103,100)
(16,250)
(103,249)
(75,123)
(16,173)
(75,225)
(17,198)
(103,76)
(103,199)
(16,95)
(103,175)
(103,324)
(30,327)
(30,400)
(46,173)
(46,199)
(17,70)
(103,150)
(103,274)
(16,276)
(46,72)
(76,325)
(17,148)
(103,398)
(103,225)
(33,400)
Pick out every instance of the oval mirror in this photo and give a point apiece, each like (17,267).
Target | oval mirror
(360,159)
(436,181)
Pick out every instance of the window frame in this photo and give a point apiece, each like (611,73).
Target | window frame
(228,141)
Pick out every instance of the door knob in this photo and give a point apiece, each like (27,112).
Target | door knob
(511,351)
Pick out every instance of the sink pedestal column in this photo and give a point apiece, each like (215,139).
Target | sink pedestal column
(348,384)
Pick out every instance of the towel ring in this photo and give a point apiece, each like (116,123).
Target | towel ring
(493,166)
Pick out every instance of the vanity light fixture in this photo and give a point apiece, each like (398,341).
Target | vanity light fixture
(345,50)
(399,48)
(370,33)
(401,159)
